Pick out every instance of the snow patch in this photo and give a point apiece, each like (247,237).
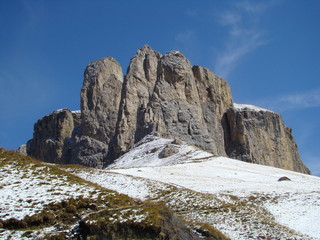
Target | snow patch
(25,190)
(298,211)
(243,107)
(146,153)
(133,187)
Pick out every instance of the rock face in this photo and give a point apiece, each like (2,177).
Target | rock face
(162,95)
(22,149)
(100,100)
(50,133)
(259,136)
(137,90)
(167,96)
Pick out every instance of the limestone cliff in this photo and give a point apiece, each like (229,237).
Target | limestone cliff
(259,136)
(166,96)
(50,133)
(100,99)
(136,93)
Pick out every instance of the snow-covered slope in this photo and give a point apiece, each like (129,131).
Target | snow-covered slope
(242,200)
(147,151)
(44,201)
(25,189)
(294,204)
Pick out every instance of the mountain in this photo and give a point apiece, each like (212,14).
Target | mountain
(162,95)
(160,189)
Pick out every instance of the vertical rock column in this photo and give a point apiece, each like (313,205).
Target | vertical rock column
(100,100)
(137,89)
(215,98)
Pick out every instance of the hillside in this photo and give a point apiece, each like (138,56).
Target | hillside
(43,201)
(260,205)
(218,197)
(242,200)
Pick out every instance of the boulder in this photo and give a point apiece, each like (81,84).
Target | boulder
(284,178)
(22,149)
(168,151)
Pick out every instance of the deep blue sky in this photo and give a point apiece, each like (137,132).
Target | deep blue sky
(268,51)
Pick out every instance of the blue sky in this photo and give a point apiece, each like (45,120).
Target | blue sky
(268,51)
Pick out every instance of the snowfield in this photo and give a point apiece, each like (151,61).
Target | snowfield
(298,206)
(294,204)
(228,176)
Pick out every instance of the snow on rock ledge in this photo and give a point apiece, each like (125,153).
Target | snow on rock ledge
(243,107)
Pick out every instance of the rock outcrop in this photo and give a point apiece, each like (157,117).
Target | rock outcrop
(137,90)
(22,149)
(167,96)
(50,133)
(163,95)
(100,100)
(259,136)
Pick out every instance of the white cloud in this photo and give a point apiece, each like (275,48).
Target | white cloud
(186,37)
(229,18)
(254,7)
(287,102)
(243,35)
(236,50)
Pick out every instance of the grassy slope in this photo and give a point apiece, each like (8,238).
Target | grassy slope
(47,202)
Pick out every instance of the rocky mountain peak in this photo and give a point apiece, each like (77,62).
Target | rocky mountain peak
(165,95)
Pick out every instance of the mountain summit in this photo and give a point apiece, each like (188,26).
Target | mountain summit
(165,96)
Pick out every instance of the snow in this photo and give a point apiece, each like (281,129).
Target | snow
(299,212)
(298,207)
(25,190)
(242,107)
(243,200)
(225,175)
(133,187)
(50,140)
(294,204)
(62,110)
(146,153)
